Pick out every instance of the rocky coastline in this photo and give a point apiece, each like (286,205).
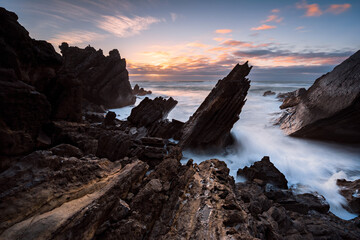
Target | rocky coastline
(70,172)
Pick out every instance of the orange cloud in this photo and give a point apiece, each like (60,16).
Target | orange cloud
(312,10)
(275,10)
(223,31)
(263,27)
(244,44)
(218,39)
(197,45)
(273,18)
(338,8)
(217,49)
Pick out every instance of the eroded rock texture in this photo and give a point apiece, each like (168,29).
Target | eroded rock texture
(210,125)
(105,80)
(330,108)
(351,191)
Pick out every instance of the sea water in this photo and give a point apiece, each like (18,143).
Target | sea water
(308,165)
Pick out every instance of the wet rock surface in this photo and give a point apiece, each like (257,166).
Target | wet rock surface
(291,99)
(210,125)
(351,191)
(329,110)
(140,91)
(268,93)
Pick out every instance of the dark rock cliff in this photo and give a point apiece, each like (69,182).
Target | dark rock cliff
(330,108)
(105,80)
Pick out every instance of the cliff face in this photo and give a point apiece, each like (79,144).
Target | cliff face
(330,108)
(37,85)
(105,80)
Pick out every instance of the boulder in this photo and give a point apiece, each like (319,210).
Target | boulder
(140,91)
(105,80)
(266,172)
(210,125)
(330,109)
(150,112)
(291,99)
(268,93)
(110,118)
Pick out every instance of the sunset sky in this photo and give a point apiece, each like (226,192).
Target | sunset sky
(191,40)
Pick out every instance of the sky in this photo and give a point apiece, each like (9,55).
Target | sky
(203,40)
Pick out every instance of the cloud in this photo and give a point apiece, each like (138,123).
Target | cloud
(217,39)
(223,31)
(275,10)
(263,27)
(338,8)
(123,26)
(273,18)
(174,16)
(76,37)
(197,45)
(312,10)
(244,44)
(278,57)
(300,28)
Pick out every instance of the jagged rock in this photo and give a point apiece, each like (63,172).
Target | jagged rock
(105,80)
(150,111)
(268,93)
(266,172)
(140,91)
(32,88)
(291,99)
(351,191)
(330,109)
(210,125)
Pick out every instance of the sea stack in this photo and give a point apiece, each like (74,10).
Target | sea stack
(210,125)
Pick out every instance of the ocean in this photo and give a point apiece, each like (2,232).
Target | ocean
(308,165)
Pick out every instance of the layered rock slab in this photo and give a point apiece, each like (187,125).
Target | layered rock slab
(210,125)
(330,108)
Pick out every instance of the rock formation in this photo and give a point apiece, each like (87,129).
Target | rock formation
(268,93)
(150,111)
(330,108)
(140,91)
(210,125)
(152,115)
(351,191)
(105,80)
(291,99)
(264,172)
